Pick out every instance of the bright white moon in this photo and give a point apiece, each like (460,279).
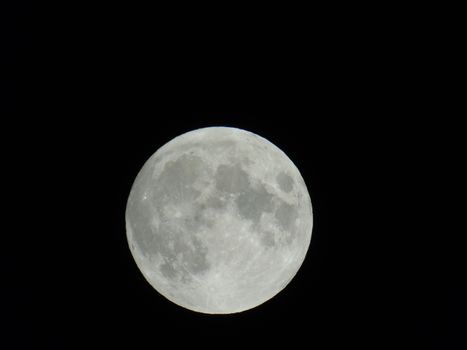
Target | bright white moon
(219,220)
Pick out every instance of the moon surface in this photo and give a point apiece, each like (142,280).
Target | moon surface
(219,220)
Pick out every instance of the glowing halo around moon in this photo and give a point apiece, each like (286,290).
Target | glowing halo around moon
(219,220)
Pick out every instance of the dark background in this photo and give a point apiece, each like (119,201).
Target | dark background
(351,93)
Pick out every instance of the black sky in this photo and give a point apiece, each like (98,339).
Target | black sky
(95,89)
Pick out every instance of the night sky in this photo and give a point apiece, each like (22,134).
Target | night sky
(96,89)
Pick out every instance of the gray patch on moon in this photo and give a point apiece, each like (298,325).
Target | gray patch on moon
(215,202)
(202,213)
(285,182)
(231,179)
(195,258)
(183,256)
(168,270)
(175,183)
(252,203)
(267,239)
(286,215)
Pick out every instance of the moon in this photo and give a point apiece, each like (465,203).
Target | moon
(219,220)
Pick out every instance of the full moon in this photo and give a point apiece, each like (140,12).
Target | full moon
(219,220)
